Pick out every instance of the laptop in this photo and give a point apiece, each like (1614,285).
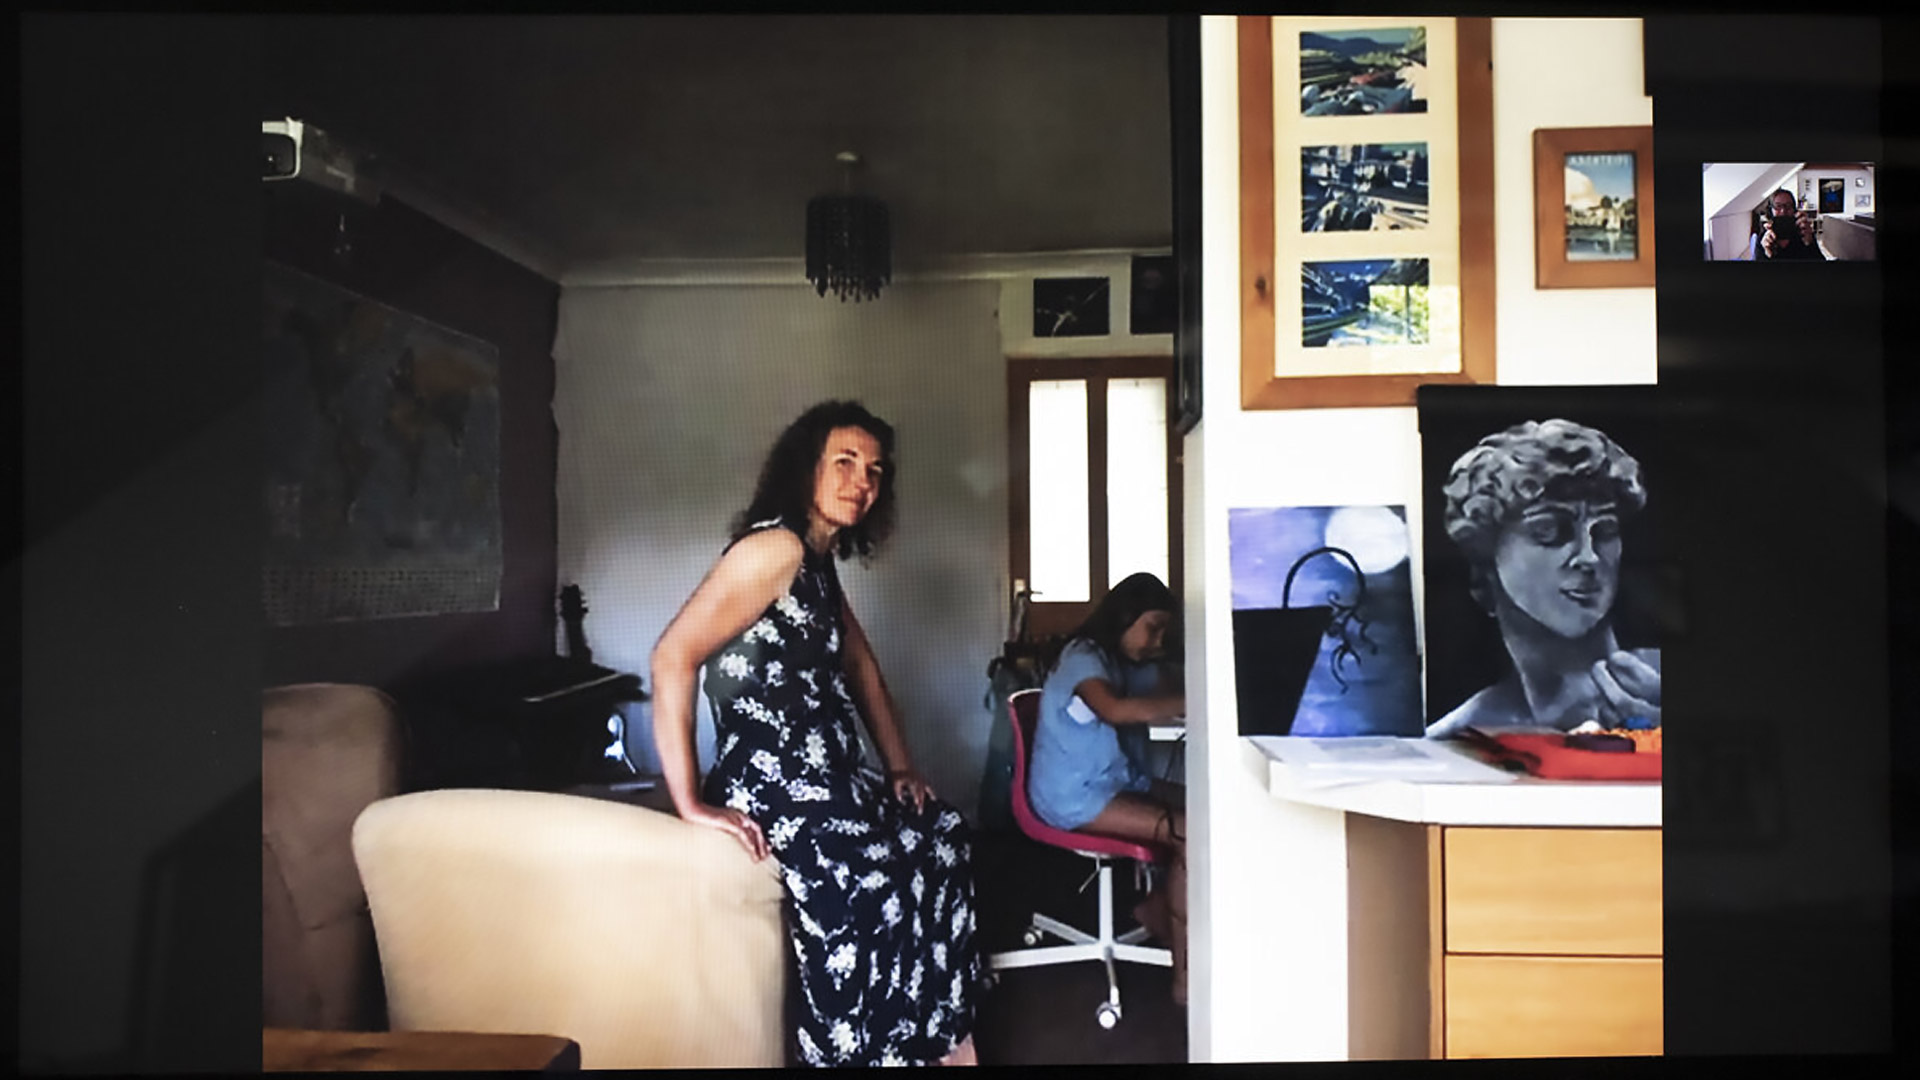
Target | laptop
(1273,654)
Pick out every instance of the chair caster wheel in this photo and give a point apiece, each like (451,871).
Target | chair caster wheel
(1031,937)
(1108,1014)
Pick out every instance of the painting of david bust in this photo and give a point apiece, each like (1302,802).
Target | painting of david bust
(1537,513)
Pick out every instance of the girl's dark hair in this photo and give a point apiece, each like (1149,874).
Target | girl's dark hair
(1133,597)
(785,490)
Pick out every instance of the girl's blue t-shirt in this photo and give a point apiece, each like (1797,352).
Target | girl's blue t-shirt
(1080,763)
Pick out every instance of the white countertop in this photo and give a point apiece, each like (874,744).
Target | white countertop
(1523,801)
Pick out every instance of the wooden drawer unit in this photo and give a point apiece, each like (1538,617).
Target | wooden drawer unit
(1539,1006)
(1545,942)
(1562,892)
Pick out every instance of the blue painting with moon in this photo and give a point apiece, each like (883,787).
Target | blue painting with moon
(1353,560)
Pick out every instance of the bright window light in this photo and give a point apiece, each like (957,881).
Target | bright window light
(1058,528)
(1136,478)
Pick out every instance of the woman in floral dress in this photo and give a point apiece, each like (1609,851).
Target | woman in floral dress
(877,869)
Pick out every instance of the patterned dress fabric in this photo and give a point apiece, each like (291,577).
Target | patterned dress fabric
(880,895)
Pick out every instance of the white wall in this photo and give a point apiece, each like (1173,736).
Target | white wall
(1562,73)
(667,399)
(1548,73)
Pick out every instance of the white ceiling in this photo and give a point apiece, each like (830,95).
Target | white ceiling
(607,138)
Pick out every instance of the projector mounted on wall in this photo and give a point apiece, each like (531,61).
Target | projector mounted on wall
(292,150)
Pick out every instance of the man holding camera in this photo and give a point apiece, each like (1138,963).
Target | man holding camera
(1788,232)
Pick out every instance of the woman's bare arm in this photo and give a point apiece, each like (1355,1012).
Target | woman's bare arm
(753,574)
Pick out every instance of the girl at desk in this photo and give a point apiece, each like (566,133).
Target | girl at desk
(1089,766)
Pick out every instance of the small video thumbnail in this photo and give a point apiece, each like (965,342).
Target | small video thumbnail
(1796,211)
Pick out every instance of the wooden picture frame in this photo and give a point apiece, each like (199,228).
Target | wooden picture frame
(1047,618)
(1558,241)
(1460,246)
(1153,296)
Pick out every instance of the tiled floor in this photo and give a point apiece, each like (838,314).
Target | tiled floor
(1046,1015)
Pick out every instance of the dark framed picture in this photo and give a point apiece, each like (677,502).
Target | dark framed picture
(1544,555)
(1593,207)
(1071,307)
(409,524)
(1833,195)
(1154,300)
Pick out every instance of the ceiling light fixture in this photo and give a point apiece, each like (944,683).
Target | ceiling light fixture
(849,242)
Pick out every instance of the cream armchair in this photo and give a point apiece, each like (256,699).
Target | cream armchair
(648,941)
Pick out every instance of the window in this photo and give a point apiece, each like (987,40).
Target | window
(1095,488)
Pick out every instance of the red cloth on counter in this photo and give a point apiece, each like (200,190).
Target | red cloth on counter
(1550,758)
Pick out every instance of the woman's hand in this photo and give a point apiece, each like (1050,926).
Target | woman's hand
(730,821)
(1629,687)
(909,784)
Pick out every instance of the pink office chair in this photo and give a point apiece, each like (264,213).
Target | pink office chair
(1023,710)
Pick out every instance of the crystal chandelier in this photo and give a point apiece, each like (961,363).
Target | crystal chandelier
(849,244)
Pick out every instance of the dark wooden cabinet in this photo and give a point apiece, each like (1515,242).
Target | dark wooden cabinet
(541,724)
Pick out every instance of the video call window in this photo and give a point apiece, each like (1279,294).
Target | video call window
(1789,211)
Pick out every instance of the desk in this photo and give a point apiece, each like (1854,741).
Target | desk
(1515,919)
(286,1050)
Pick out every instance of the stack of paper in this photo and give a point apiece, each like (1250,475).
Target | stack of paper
(1357,759)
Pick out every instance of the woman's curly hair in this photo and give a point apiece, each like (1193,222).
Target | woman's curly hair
(786,486)
(1509,471)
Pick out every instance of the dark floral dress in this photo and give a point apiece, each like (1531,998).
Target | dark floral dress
(879,894)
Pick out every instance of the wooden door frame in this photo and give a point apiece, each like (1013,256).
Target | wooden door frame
(1045,620)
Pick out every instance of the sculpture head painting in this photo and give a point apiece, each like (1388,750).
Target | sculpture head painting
(1537,509)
